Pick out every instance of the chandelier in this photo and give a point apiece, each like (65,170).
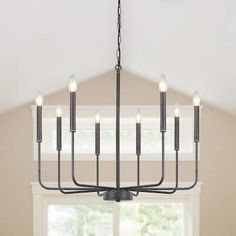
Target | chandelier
(118,193)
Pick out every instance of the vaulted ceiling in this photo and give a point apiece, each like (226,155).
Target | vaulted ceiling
(44,41)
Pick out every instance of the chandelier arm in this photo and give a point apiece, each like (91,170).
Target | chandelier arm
(59,180)
(135,188)
(196,171)
(40,170)
(173,189)
(195,178)
(101,188)
(155,191)
(39,141)
(138,174)
(40,176)
(97,175)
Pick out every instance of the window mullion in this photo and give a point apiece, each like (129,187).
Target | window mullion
(116,219)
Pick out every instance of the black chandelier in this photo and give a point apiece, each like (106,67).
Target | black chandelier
(118,193)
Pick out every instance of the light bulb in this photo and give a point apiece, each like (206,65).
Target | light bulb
(39,99)
(163,84)
(97,117)
(196,99)
(138,118)
(73,83)
(177,111)
(59,111)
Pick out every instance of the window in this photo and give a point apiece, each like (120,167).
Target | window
(79,219)
(151,137)
(136,219)
(141,219)
(87,215)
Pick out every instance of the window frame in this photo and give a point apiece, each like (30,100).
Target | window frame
(42,198)
(109,111)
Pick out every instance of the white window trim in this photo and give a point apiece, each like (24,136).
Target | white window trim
(42,197)
(109,111)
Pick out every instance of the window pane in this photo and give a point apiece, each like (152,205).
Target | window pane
(151,219)
(85,136)
(80,220)
(151,137)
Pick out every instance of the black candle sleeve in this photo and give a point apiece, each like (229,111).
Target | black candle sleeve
(176,133)
(72,111)
(39,124)
(196,123)
(163,111)
(97,138)
(138,138)
(59,133)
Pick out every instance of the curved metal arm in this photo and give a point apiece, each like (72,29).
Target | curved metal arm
(174,189)
(196,170)
(62,190)
(135,188)
(97,177)
(40,178)
(39,170)
(100,188)
(138,175)
(160,190)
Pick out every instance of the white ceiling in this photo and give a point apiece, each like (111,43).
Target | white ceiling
(192,41)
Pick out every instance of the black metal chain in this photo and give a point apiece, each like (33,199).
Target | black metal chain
(118,51)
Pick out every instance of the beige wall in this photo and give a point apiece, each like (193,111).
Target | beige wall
(217,166)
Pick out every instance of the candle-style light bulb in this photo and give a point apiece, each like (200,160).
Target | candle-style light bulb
(163,84)
(39,99)
(73,83)
(177,111)
(138,117)
(97,117)
(196,99)
(59,111)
